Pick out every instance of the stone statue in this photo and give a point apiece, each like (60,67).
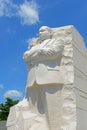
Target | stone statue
(53,87)
(43,59)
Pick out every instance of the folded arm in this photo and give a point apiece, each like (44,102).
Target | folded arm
(45,53)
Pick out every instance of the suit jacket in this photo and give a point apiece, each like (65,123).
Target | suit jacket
(44,64)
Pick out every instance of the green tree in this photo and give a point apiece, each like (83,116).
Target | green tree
(5,107)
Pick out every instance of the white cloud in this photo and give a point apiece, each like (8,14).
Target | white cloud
(13,94)
(7,8)
(27,12)
(1,86)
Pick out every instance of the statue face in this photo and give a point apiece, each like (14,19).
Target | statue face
(44,33)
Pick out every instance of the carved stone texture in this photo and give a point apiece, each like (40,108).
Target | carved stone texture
(56,88)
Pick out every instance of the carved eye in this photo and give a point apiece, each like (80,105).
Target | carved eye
(42,30)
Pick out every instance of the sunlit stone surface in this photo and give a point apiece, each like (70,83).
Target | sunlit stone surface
(56,88)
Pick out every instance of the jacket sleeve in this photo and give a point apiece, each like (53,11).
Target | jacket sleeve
(45,53)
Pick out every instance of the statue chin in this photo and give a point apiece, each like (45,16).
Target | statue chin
(45,36)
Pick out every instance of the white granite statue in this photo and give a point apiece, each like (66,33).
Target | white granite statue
(43,59)
(56,89)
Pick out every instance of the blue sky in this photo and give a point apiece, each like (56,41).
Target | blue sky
(20,21)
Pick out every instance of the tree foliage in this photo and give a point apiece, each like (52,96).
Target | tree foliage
(5,107)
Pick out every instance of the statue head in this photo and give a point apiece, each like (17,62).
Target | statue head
(45,33)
